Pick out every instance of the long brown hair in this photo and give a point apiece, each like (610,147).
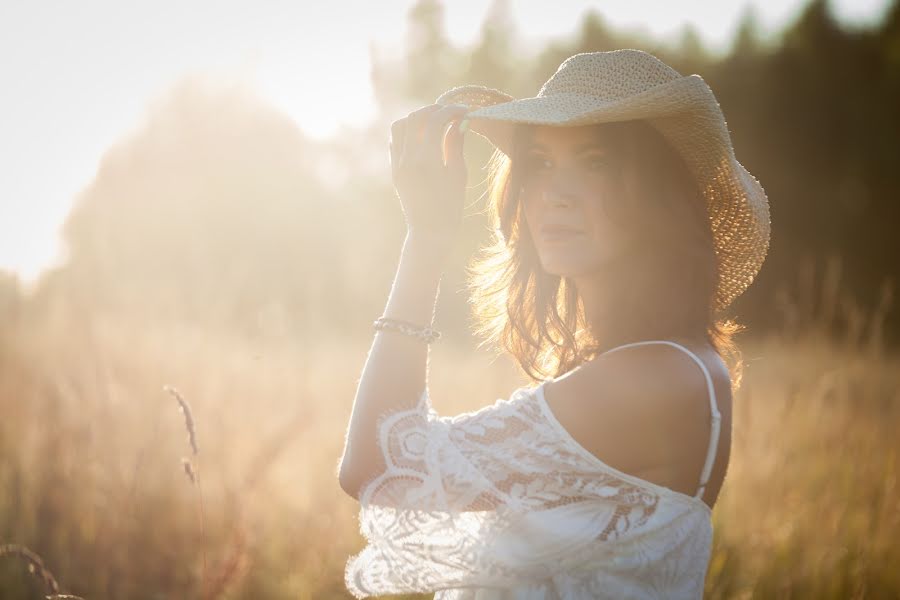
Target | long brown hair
(664,285)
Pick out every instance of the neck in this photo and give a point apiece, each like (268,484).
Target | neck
(615,316)
(602,312)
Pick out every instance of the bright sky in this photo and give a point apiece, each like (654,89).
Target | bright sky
(77,76)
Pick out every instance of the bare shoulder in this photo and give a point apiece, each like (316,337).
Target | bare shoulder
(642,409)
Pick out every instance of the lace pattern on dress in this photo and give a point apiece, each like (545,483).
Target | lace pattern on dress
(493,497)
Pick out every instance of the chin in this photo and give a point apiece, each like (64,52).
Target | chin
(575,262)
(571,268)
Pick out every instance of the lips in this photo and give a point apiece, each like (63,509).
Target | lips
(558,229)
(558,233)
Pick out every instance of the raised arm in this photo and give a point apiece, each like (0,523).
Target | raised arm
(430,180)
(395,372)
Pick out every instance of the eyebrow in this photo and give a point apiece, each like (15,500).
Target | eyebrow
(578,149)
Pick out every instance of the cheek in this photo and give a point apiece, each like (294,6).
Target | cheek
(595,215)
(529,214)
(598,206)
(601,211)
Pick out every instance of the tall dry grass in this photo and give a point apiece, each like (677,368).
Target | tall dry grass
(92,480)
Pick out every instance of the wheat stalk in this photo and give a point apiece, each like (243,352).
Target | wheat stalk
(191,470)
(188,417)
(234,566)
(37,568)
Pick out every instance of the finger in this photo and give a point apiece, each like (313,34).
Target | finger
(418,117)
(436,127)
(453,146)
(395,144)
(414,129)
(394,160)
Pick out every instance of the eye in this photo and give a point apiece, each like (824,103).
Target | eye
(535,161)
(598,162)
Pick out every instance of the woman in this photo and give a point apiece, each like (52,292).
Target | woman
(624,226)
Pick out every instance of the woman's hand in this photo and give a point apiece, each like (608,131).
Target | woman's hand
(429,171)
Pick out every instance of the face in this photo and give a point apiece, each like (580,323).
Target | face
(570,175)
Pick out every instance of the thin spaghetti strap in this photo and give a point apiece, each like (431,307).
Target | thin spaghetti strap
(716,416)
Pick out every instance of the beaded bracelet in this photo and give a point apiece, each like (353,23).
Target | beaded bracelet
(427,334)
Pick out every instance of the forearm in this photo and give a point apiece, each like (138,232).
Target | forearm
(395,372)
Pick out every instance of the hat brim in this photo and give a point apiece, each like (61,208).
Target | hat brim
(494,114)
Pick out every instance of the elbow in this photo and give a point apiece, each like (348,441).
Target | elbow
(350,488)
(354,474)
(349,482)
(345,476)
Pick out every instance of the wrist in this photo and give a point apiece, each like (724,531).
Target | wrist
(428,242)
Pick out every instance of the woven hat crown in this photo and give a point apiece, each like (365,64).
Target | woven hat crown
(609,75)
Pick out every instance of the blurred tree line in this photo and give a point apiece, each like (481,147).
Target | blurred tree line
(220,212)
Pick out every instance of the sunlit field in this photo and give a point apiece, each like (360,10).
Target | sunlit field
(175,393)
(94,481)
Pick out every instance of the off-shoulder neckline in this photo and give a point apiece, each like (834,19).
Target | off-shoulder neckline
(538,393)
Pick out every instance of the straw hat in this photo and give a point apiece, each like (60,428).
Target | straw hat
(621,85)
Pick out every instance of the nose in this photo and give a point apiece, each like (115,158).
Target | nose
(555,195)
(561,189)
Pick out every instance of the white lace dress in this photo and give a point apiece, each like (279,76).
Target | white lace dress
(502,503)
